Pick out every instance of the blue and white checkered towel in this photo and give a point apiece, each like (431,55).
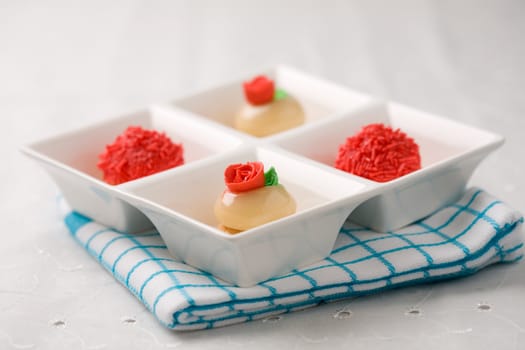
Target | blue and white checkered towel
(458,240)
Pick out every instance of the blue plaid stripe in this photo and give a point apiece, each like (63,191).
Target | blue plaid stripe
(138,264)
(141,262)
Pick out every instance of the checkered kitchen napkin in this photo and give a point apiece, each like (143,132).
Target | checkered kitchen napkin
(459,240)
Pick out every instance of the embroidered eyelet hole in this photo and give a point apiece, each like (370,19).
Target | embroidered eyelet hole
(343,314)
(128,320)
(272,319)
(484,307)
(59,324)
(413,312)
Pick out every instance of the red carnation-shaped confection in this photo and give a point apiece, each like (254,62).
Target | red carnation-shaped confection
(379,153)
(138,153)
(259,91)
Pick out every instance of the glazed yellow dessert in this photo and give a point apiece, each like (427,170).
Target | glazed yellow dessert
(251,198)
(268,110)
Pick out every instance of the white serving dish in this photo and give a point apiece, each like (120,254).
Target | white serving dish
(179,202)
(450,152)
(71,160)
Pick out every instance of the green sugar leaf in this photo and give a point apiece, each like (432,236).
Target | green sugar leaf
(271,178)
(279,94)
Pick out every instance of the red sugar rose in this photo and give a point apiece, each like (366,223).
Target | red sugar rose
(379,153)
(244,177)
(138,153)
(259,91)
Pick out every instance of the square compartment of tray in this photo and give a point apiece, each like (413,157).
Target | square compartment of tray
(71,160)
(450,152)
(181,207)
(320,99)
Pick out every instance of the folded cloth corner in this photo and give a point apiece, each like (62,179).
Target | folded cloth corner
(458,240)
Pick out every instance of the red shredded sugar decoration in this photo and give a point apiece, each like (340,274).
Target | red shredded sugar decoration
(379,153)
(138,153)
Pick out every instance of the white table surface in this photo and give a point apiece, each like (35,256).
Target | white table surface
(65,65)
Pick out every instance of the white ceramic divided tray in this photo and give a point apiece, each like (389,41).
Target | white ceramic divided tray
(179,202)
